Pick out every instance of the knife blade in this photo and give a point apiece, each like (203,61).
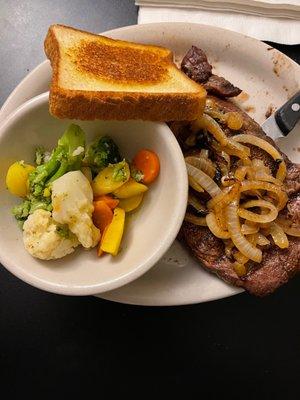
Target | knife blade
(284,120)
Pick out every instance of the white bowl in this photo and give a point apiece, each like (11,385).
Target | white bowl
(149,232)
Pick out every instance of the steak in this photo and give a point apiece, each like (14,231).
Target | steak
(220,87)
(292,182)
(196,66)
(278,265)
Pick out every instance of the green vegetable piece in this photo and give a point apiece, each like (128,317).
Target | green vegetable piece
(72,146)
(21,211)
(136,174)
(63,231)
(66,157)
(120,174)
(42,203)
(101,153)
(41,155)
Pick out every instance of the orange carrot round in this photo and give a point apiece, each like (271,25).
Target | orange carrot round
(110,201)
(148,163)
(102,215)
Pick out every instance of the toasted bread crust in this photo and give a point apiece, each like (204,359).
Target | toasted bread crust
(166,52)
(83,105)
(107,105)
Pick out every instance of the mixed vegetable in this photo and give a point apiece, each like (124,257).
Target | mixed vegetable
(78,194)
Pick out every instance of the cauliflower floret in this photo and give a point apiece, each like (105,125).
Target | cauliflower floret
(41,237)
(72,200)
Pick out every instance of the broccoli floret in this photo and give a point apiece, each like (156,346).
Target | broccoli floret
(66,157)
(43,203)
(119,173)
(21,211)
(101,153)
(28,206)
(41,155)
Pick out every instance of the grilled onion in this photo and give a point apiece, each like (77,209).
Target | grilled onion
(249,229)
(195,185)
(233,149)
(291,231)
(240,269)
(204,164)
(262,240)
(230,146)
(288,227)
(221,218)
(203,180)
(267,147)
(212,110)
(241,172)
(228,247)
(261,176)
(239,240)
(224,197)
(196,204)
(240,258)
(270,187)
(234,120)
(213,226)
(278,235)
(201,221)
(259,165)
(207,122)
(260,218)
(228,180)
(226,158)
(238,150)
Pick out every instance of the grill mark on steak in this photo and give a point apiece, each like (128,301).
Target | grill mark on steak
(196,66)
(278,265)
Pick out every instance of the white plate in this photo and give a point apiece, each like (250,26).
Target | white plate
(267,77)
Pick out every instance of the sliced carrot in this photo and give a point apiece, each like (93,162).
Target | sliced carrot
(148,162)
(102,215)
(110,201)
(100,252)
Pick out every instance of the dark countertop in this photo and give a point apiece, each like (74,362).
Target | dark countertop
(56,345)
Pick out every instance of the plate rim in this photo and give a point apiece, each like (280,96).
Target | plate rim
(39,67)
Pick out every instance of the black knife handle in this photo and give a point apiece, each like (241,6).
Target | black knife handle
(289,114)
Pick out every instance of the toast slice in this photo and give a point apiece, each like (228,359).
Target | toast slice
(95,77)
